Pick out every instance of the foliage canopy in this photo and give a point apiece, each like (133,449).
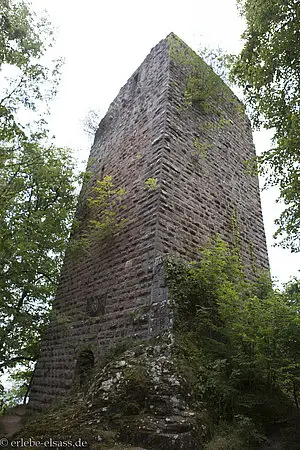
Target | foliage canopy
(268,70)
(37,184)
(239,339)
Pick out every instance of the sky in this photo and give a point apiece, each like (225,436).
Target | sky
(104,42)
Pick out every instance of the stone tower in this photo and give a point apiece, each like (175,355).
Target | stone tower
(177,140)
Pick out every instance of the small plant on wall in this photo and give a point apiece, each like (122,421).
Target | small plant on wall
(205,90)
(201,149)
(151,184)
(105,207)
(202,85)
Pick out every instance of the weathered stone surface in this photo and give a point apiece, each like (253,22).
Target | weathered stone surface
(143,396)
(138,398)
(118,290)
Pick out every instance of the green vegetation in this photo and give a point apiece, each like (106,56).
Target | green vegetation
(19,380)
(237,340)
(104,202)
(205,90)
(37,185)
(201,148)
(234,348)
(268,71)
(105,205)
(202,86)
(238,343)
(151,184)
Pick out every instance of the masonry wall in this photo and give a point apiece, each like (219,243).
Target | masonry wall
(117,290)
(208,191)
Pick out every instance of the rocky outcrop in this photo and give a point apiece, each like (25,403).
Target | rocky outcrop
(138,398)
(145,398)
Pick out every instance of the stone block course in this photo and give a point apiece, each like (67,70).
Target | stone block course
(117,290)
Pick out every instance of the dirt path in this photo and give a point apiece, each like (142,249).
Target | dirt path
(12,421)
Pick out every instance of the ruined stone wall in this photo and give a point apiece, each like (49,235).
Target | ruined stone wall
(117,290)
(105,296)
(208,191)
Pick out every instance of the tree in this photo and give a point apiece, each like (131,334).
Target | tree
(238,339)
(268,69)
(36,208)
(37,185)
